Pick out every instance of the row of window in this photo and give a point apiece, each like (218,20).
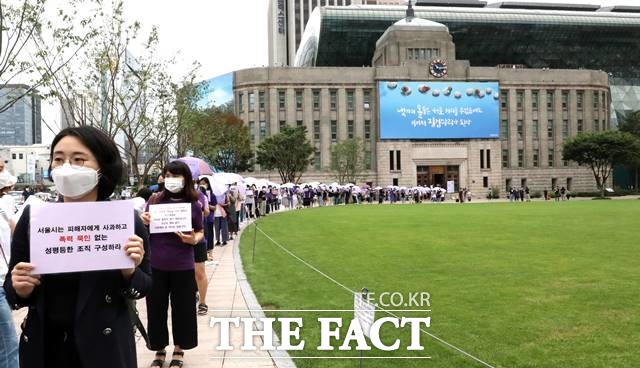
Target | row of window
(13,156)
(316,129)
(535,128)
(597,99)
(535,162)
(422,53)
(299,99)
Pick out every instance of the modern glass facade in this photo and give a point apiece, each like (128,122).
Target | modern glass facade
(346,36)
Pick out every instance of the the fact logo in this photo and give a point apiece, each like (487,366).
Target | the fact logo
(330,329)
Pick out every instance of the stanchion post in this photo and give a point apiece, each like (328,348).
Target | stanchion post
(255,232)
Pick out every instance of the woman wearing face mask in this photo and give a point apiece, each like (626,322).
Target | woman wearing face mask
(172,256)
(79,319)
(208,226)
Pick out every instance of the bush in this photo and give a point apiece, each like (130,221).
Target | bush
(536,194)
(494,193)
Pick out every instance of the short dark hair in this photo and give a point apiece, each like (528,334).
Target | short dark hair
(105,151)
(180,168)
(145,193)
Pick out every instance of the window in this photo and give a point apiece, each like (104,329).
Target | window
(596,125)
(282,100)
(519,98)
(391,161)
(317,162)
(482,159)
(565,129)
(334,130)
(261,100)
(579,99)
(565,100)
(263,130)
(549,100)
(299,123)
(350,129)
(298,100)
(520,130)
(569,183)
(550,129)
(13,156)
(422,53)
(367,99)
(504,129)
(604,126)
(316,129)
(596,100)
(281,125)
(488,158)
(485,182)
(580,126)
(520,158)
(504,100)
(367,129)
(554,183)
(252,101)
(240,101)
(398,167)
(535,129)
(333,94)
(535,98)
(350,100)
(551,157)
(536,157)
(507,183)
(252,131)
(316,99)
(505,158)
(367,160)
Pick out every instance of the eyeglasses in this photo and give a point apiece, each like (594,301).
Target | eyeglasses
(76,162)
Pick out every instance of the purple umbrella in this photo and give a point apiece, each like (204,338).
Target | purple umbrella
(198,166)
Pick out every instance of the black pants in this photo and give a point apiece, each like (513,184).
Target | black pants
(208,232)
(180,287)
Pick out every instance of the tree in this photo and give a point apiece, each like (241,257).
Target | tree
(27,39)
(347,160)
(131,97)
(220,138)
(289,152)
(600,151)
(631,124)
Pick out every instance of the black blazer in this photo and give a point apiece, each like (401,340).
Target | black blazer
(103,329)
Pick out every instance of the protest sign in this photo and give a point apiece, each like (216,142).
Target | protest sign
(169,218)
(82,236)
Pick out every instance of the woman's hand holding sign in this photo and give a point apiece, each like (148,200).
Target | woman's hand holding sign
(191,238)
(23,280)
(135,250)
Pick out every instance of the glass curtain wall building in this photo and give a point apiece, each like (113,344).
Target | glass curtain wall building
(555,39)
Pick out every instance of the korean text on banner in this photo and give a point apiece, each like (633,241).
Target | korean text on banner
(83,236)
(171,217)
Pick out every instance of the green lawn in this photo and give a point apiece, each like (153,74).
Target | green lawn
(517,285)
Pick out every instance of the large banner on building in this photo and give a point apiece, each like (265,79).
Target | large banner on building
(439,110)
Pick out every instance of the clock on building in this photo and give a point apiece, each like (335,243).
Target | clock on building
(438,68)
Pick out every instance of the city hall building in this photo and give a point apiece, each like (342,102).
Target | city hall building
(427,117)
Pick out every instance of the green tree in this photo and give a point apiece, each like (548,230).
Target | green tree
(600,151)
(220,138)
(347,160)
(631,124)
(289,152)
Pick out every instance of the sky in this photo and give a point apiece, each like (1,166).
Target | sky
(222,35)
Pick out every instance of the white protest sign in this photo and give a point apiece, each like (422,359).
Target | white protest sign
(82,236)
(170,217)
(365,312)
(451,186)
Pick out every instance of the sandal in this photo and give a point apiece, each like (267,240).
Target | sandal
(159,362)
(177,362)
(203,309)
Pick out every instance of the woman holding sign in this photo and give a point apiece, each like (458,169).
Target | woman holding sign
(173,268)
(79,319)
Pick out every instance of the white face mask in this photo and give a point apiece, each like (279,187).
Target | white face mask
(174,185)
(74,182)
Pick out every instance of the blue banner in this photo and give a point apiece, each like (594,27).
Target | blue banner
(439,110)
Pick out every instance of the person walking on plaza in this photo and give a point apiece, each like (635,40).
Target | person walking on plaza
(250,200)
(205,185)
(232,212)
(200,255)
(173,270)
(221,223)
(79,319)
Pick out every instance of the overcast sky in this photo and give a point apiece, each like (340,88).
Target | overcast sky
(223,35)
